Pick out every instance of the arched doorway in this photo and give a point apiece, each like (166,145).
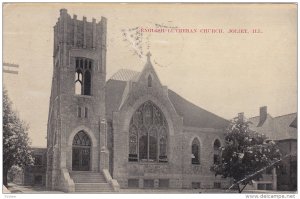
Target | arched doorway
(81,152)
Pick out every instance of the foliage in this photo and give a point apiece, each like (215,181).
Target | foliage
(245,153)
(16,142)
(14,172)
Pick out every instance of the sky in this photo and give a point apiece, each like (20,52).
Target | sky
(224,73)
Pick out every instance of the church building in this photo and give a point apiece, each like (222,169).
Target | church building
(129,131)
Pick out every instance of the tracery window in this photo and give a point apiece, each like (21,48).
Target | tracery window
(148,134)
(83,76)
(81,152)
(195,151)
(81,139)
(217,157)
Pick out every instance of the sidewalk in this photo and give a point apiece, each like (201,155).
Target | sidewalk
(19,189)
(14,188)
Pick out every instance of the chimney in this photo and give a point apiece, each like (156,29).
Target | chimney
(241,116)
(262,115)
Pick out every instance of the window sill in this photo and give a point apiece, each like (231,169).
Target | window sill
(147,163)
(83,96)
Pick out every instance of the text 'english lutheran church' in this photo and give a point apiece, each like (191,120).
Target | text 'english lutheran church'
(130,131)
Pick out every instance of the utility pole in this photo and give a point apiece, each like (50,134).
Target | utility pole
(7,68)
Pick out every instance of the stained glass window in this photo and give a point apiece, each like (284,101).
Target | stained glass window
(81,139)
(148,134)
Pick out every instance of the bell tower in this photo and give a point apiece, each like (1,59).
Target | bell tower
(76,132)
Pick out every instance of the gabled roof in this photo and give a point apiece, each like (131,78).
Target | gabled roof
(276,128)
(125,75)
(113,95)
(282,126)
(294,123)
(193,115)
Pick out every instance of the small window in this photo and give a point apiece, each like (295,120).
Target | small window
(217,185)
(196,185)
(38,160)
(269,187)
(163,183)
(133,183)
(86,112)
(79,111)
(149,81)
(261,186)
(148,183)
(217,156)
(195,151)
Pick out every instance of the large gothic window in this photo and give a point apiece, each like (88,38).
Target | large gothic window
(195,151)
(148,135)
(83,76)
(217,145)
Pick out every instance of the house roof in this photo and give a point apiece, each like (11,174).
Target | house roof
(192,115)
(277,128)
(294,123)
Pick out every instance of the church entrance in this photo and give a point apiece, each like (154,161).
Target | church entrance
(81,152)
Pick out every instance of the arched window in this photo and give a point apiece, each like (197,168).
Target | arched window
(83,76)
(217,145)
(195,151)
(149,81)
(81,139)
(148,134)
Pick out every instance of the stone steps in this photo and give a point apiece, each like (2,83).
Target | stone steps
(87,177)
(86,181)
(93,187)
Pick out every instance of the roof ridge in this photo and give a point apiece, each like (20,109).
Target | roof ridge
(286,115)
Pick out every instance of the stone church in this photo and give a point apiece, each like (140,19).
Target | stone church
(129,131)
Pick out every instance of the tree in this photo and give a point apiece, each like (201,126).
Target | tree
(246,154)
(16,149)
